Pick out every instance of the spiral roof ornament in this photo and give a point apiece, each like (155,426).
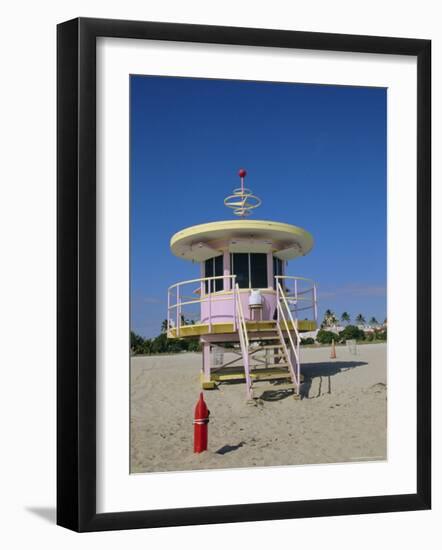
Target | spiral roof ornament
(242,200)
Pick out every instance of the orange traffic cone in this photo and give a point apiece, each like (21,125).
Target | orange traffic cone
(333,350)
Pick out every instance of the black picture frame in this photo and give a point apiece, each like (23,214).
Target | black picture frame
(76,274)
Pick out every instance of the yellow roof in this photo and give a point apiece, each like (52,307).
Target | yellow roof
(287,241)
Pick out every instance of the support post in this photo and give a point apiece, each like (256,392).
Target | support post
(297,369)
(206,361)
(206,379)
(226,270)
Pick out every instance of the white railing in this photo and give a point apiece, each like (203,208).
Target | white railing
(186,298)
(243,338)
(301,294)
(180,300)
(283,324)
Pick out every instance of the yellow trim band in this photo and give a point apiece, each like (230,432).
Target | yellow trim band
(285,229)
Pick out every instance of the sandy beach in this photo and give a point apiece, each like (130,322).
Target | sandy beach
(341,417)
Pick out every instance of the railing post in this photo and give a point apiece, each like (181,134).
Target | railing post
(210,310)
(168,312)
(315,304)
(298,362)
(235,307)
(277,301)
(178,310)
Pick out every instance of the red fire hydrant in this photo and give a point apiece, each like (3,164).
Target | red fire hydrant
(200,422)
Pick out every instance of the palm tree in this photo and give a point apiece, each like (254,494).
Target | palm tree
(373,322)
(360,319)
(345,318)
(136,342)
(329,318)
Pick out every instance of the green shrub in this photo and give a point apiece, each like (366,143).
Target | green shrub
(161,344)
(307,341)
(194,345)
(136,343)
(146,348)
(352,333)
(326,337)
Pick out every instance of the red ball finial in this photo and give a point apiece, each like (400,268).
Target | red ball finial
(242,173)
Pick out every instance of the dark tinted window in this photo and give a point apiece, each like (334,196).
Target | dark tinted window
(258,269)
(250,269)
(214,268)
(240,268)
(209,268)
(219,270)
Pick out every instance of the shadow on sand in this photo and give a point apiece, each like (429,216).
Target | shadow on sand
(229,448)
(310,371)
(323,371)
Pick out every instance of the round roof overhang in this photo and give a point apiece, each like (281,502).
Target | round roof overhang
(200,242)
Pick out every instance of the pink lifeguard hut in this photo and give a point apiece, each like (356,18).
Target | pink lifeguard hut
(243,302)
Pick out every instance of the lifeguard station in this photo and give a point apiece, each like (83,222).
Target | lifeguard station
(243,302)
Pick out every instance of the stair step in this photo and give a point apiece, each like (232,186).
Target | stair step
(270,366)
(274,360)
(258,364)
(269,346)
(273,370)
(283,362)
(272,387)
(270,376)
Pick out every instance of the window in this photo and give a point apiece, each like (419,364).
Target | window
(258,270)
(277,269)
(250,269)
(213,267)
(240,267)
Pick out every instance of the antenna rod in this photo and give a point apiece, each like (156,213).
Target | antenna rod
(242,200)
(242,174)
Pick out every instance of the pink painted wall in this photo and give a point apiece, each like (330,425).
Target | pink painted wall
(222,307)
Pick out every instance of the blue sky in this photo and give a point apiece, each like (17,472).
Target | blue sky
(315,155)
